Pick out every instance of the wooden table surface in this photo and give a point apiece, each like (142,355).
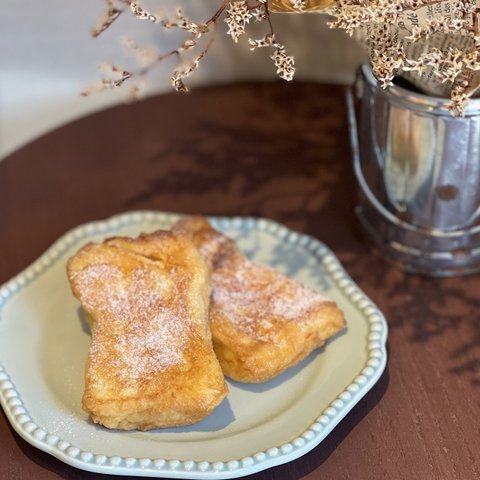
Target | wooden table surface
(279,151)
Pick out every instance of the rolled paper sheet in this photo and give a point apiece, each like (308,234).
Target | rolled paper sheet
(401,30)
(288,6)
(384,40)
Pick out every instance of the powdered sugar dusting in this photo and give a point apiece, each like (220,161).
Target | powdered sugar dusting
(211,245)
(137,332)
(255,297)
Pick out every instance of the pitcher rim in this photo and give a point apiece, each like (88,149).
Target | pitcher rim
(415,100)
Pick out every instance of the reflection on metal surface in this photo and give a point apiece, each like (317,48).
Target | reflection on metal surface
(418,168)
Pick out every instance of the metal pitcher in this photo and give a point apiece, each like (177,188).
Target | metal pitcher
(418,168)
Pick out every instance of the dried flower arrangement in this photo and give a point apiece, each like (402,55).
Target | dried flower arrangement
(435,43)
(199,37)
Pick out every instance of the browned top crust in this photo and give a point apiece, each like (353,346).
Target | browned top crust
(262,322)
(151,362)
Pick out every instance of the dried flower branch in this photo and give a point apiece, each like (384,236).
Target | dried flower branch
(112,12)
(434,39)
(200,35)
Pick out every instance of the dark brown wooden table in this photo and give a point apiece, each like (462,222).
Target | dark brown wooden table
(279,151)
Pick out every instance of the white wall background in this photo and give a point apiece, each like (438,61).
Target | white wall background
(47,57)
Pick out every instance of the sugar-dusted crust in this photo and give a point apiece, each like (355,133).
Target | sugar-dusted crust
(151,363)
(262,322)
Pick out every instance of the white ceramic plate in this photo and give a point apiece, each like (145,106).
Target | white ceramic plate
(44,344)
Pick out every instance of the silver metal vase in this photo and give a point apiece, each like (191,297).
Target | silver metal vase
(418,169)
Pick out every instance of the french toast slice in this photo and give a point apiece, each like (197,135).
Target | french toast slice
(151,363)
(262,322)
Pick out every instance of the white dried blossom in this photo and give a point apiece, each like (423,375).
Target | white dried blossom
(142,14)
(181,73)
(184,23)
(299,5)
(267,41)
(471,60)
(414,65)
(459,97)
(284,63)
(237,17)
(177,82)
(259,14)
(386,64)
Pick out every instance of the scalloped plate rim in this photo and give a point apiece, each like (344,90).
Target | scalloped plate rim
(189,469)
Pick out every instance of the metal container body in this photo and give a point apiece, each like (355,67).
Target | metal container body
(418,169)
(429,160)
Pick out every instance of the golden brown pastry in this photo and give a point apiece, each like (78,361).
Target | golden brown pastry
(151,362)
(262,322)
